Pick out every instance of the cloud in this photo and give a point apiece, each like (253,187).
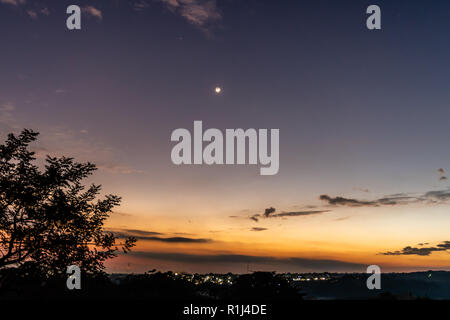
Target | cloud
(140,5)
(134,232)
(33,11)
(436,196)
(430,197)
(442,176)
(345,201)
(318,265)
(298,213)
(200,13)
(258,229)
(425,251)
(154,236)
(439,195)
(342,218)
(175,239)
(270,213)
(93,12)
(33,14)
(15,3)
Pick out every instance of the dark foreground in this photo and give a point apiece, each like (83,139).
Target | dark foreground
(260,295)
(258,286)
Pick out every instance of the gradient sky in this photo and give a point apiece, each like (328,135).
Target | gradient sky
(363,115)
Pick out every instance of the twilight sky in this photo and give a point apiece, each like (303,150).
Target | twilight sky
(363,118)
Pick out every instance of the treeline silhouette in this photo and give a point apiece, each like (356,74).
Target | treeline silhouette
(259,286)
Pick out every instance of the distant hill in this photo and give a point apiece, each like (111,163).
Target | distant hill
(425,285)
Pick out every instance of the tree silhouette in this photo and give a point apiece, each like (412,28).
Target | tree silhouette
(48,219)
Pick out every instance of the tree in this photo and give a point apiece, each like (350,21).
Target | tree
(48,219)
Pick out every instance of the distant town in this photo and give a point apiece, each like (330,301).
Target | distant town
(317,286)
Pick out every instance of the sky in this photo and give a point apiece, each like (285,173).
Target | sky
(363,119)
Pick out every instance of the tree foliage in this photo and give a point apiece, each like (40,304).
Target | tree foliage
(48,219)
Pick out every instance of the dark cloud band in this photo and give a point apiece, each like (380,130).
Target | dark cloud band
(423,251)
(291,262)
(155,236)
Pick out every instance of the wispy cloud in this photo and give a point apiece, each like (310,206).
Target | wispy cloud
(140,5)
(346,201)
(176,239)
(258,229)
(434,197)
(298,213)
(203,14)
(15,3)
(270,213)
(430,197)
(32,14)
(437,196)
(93,12)
(342,218)
(30,8)
(133,232)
